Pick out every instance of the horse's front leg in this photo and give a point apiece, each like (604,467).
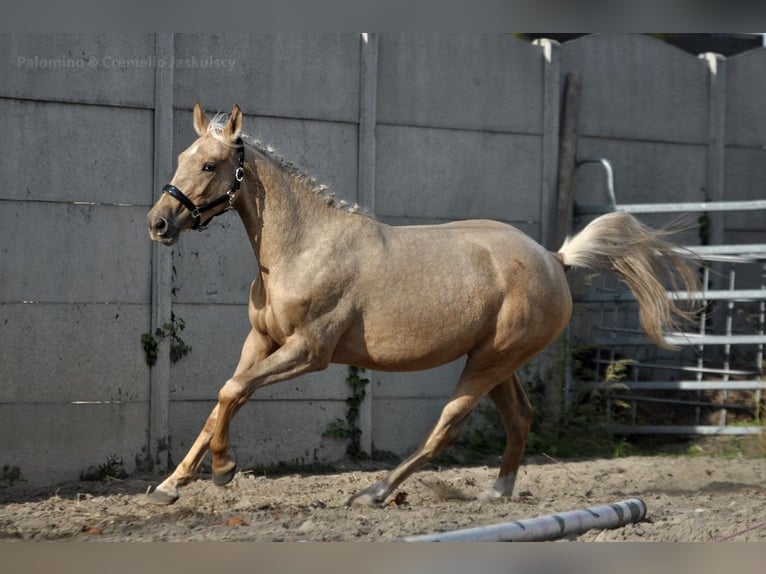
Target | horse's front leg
(256,349)
(294,358)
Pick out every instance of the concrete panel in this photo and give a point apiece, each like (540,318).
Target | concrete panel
(73,253)
(640,88)
(745,173)
(449,174)
(324,151)
(64,152)
(400,425)
(56,353)
(749,236)
(745,180)
(291,75)
(54,443)
(216,265)
(216,334)
(745,113)
(478,81)
(644,172)
(265,433)
(433,383)
(114,69)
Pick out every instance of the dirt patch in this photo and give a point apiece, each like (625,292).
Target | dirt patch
(700,498)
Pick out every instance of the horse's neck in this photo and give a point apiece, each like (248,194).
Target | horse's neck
(282,218)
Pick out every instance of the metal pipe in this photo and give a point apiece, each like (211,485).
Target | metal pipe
(548,527)
(749,385)
(684,207)
(687,430)
(607,165)
(739,295)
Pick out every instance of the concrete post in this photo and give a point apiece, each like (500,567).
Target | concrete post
(716,154)
(551,113)
(162,263)
(368,105)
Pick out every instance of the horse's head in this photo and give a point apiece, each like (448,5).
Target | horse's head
(206,180)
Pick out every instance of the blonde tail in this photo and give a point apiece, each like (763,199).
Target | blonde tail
(640,256)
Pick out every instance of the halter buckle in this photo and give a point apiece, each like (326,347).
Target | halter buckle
(239,174)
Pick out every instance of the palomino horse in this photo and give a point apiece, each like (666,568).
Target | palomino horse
(335,286)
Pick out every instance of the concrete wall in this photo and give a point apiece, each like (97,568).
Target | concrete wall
(416,128)
(75,276)
(645,108)
(745,143)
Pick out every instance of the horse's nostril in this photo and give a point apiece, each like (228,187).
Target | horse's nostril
(161,226)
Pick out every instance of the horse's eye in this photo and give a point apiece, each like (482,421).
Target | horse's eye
(208,167)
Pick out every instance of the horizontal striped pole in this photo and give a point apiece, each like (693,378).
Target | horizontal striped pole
(548,527)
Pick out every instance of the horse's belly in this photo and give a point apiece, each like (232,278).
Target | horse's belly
(394,342)
(397,358)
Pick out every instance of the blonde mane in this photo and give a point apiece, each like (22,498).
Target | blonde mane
(215,129)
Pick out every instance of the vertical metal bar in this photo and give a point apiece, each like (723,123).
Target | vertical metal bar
(633,413)
(702,329)
(727,347)
(759,354)
(568,377)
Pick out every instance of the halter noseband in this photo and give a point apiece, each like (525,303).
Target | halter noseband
(228,197)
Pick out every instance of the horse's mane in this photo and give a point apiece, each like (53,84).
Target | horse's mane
(215,129)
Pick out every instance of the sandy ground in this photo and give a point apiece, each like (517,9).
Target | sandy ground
(699,498)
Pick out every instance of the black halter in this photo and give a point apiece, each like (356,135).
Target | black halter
(228,197)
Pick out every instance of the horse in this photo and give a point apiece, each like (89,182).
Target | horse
(335,285)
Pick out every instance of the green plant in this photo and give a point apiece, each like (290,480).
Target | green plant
(617,370)
(486,435)
(11,475)
(622,449)
(349,428)
(170,330)
(112,468)
(579,428)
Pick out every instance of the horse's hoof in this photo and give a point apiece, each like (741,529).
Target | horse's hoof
(490,495)
(364,500)
(501,490)
(372,496)
(224,477)
(162,497)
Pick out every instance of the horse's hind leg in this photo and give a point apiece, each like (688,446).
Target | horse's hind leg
(471,388)
(516,414)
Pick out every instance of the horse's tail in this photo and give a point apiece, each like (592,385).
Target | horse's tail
(643,260)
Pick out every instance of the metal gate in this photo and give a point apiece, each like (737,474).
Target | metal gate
(714,383)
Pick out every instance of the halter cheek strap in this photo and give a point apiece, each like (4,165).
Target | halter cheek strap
(228,197)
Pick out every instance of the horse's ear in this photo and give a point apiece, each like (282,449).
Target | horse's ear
(234,125)
(200,120)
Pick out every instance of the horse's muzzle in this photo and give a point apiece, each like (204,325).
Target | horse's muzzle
(162,229)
